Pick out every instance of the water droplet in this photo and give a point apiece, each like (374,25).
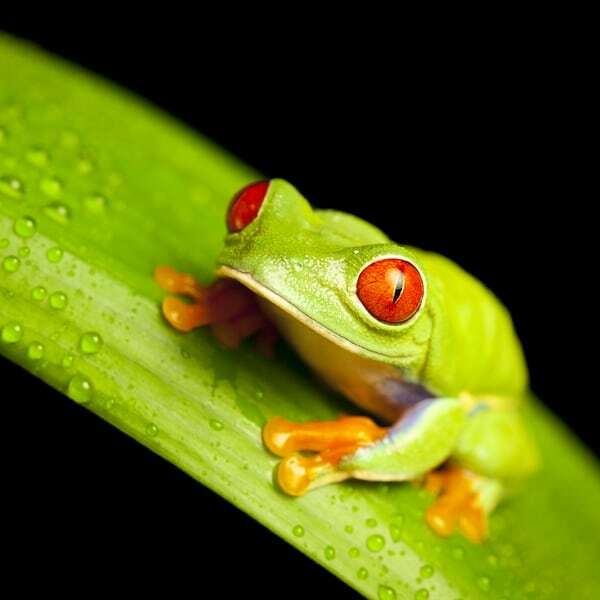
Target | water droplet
(24,251)
(458,553)
(395,532)
(25,227)
(349,529)
(362,573)
(52,187)
(385,592)
(4,243)
(58,212)
(151,430)
(11,264)
(90,342)
(421,594)
(80,389)
(426,571)
(95,203)
(375,542)
(354,552)
(38,293)
(68,361)
(329,552)
(54,254)
(484,583)
(11,186)
(35,351)
(38,156)
(298,531)
(355,251)
(58,300)
(12,332)
(371,523)
(216,424)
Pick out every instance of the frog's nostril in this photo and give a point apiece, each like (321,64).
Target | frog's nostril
(245,206)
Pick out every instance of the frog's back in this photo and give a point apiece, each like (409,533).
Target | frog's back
(473,345)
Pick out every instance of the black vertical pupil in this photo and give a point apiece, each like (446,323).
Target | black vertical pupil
(399,286)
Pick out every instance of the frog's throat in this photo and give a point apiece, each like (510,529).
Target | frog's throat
(264,292)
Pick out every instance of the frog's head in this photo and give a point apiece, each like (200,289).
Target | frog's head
(336,273)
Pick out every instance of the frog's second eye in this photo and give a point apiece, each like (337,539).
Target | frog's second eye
(245,205)
(391,289)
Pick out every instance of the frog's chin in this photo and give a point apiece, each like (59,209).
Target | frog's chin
(267,294)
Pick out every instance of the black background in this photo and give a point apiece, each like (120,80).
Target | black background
(472,151)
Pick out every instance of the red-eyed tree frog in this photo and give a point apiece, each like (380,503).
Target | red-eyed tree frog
(407,335)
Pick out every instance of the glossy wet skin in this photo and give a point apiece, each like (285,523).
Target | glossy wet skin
(312,259)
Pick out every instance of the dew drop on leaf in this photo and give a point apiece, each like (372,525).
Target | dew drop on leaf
(38,157)
(12,332)
(151,430)
(80,389)
(35,351)
(68,361)
(329,552)
(216,424)
(38,293)
(426,571)
(11,186)
(95,203)
(422,594)
(375,543)
(52,187)
(90,342)
(25,227)
(54,254)
(58,212)
(362,573)
(58,300)
(385,592)
(11,264)
(298,531)
(24,251)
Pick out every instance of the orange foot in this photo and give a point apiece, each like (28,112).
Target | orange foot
(330,441)
(227,306)
(458,504)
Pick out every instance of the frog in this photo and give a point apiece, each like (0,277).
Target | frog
(427,353)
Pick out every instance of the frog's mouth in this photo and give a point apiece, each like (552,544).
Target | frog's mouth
(264,292)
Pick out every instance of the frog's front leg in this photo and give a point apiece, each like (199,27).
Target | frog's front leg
(226,306)
(356,447)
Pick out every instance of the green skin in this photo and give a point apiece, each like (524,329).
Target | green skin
(460,345)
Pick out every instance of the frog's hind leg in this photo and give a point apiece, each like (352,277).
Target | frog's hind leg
(357,447)
(464,502)
(228,307)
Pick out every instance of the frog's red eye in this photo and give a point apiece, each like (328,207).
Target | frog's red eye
(245,205)
(391,289)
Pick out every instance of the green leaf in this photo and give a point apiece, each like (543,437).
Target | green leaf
(96,189)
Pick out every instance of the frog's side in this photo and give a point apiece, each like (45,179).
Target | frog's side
(405,334)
